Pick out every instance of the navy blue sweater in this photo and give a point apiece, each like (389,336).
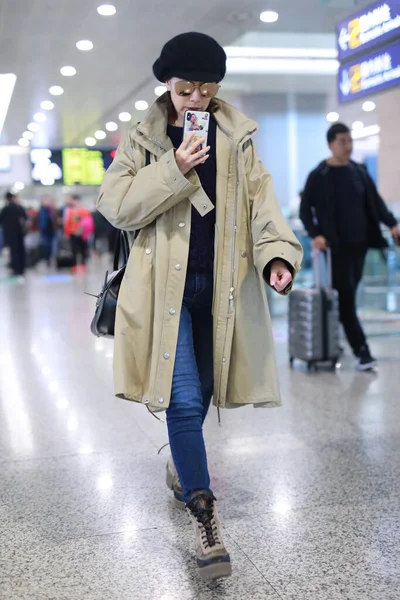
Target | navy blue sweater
(201,251)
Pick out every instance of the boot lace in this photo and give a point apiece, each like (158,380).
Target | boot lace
(202,508)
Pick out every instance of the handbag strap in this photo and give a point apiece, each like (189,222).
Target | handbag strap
(121,252)
(122,246)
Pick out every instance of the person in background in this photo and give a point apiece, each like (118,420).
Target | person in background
(59,231)
(192,319)
(341,208)
(13,220)
(32,224)
(78,227)
(47,227)
(88,230)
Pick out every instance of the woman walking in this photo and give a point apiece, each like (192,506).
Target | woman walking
(192,320)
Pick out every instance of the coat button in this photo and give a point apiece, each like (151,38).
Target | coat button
(148,250)
(178,267)
(167,355)
(172,311)
(243,254)
(161,400)
(182,224)
(224,360)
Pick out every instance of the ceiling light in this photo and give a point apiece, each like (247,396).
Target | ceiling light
(269,16)
(19,186)
(84,45)
(28,135)
(23,142)
(253,52)
(369,106)
(47,180)
(68,71)
(39,117)
(160,90)
(111,126)
(125,117)
(365,132)
(56,90)
(357,125)
(90,141)
(47,105)
(100,135)
(332,117)
(141,105)
(5,160)
(303,66)
(7,84)
(33,127)
(41,155)
(106,10)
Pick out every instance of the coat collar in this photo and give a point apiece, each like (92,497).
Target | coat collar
(153,129)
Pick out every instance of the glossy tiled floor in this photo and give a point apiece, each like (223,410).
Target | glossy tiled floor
(309,493)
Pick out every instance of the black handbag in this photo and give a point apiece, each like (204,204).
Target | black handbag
(103,322)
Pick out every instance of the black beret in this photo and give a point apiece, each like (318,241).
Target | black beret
(193,57)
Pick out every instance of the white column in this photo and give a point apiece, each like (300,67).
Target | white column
(389,148)
(293,148)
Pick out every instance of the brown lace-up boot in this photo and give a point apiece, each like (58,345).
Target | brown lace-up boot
(175,485)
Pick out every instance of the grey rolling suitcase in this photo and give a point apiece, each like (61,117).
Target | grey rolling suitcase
(314,327)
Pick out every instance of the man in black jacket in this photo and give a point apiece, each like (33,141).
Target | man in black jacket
(13,220)
(342,208)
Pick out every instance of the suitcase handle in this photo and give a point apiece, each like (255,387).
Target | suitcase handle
(322,268)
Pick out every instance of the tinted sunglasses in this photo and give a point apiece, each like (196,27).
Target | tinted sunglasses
(186,88)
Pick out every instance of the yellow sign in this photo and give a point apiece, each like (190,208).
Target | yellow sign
(355,79)
(82,166)
(354,33)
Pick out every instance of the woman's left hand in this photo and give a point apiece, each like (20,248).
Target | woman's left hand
(280,275)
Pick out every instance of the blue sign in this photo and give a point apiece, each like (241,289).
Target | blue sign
(370,27)
(374,72)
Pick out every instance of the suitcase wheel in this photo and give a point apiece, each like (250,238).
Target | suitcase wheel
(291,361)
(311,366)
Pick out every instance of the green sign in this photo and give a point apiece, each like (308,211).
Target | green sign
(83,166)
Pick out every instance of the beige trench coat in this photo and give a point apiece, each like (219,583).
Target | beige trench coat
(250,232)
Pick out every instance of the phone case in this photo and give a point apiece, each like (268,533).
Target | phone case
(197,121)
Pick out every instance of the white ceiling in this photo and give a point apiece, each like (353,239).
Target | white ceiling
(38,37)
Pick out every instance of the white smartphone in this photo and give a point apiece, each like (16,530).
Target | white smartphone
(198,121)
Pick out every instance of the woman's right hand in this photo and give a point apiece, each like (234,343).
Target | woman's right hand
(186,156)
